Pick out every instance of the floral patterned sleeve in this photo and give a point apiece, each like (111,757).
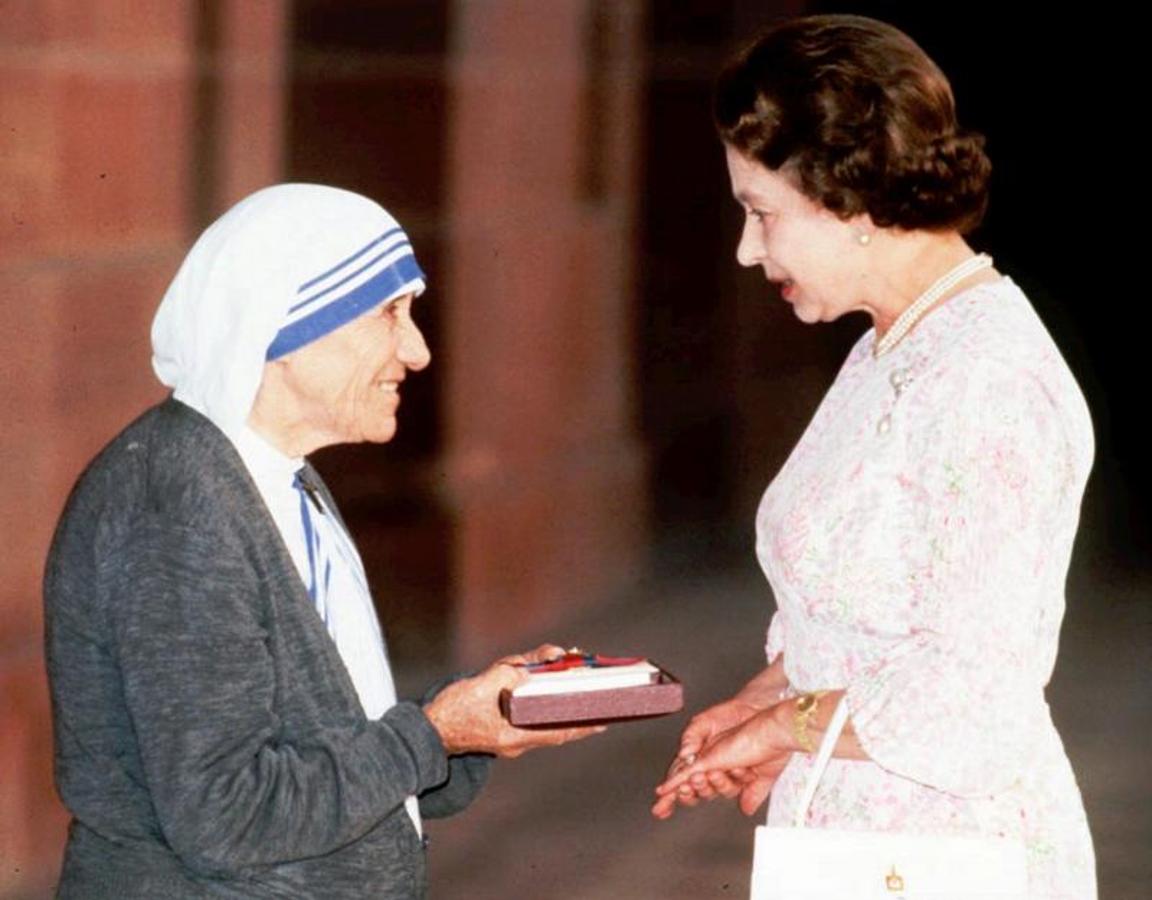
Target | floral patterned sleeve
(774,645)
(988,491)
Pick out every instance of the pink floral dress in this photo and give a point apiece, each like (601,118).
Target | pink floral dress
(917,541)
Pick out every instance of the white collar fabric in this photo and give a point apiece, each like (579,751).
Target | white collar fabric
(349,614)
(282,268)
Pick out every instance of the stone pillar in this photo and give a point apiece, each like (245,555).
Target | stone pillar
(546,475)
(239,101)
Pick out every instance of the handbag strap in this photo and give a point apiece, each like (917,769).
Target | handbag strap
(820,763)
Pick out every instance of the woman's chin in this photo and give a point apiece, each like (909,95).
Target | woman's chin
(380,430)
(809,315)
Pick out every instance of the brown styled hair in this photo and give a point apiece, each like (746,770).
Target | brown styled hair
(860,118)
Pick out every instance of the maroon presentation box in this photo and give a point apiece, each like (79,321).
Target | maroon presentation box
(665,695)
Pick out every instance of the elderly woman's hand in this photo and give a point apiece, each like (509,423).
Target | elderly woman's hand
(543,653)
(467,712)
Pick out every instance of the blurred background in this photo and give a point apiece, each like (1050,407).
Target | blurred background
(609,395)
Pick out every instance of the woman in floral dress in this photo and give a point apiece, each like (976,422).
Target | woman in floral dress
(918,538)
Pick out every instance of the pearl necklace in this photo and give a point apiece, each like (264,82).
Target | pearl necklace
(924,302)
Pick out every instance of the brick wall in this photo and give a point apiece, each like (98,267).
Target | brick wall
(126,127)
(506,142)
(104,107)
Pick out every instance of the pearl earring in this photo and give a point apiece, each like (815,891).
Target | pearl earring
(863,238)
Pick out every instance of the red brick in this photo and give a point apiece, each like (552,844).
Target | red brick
(249,154)
(27,23)
(135,26)
(531,153)
(538,545)
(514,32)
(30,502)
(517,136)
(255,31)
(76,358)
(116,25)
(548,483)
(32,820)
(28,149)
(123,164)
(102,326)
(602,310)
(565,318)
(96,27)
(91,161)
(251,89)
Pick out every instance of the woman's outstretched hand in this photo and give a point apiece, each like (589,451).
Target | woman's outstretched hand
(707,726)
(742,761)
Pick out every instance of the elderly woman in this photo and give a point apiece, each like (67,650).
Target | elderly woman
(918,538)
(226,721)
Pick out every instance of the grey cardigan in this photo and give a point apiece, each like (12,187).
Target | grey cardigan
(209,741)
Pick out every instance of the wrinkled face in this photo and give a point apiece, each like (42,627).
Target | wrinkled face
(345,387)
(814,257)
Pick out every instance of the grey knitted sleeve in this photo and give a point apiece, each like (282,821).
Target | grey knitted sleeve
(233,785)
(467,773)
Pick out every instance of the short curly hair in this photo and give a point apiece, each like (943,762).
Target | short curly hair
(862,120)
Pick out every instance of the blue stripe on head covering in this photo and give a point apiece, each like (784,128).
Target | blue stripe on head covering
(355,256)
(388,283)
(401,247)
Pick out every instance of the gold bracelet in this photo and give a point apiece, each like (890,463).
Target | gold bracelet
(806,707)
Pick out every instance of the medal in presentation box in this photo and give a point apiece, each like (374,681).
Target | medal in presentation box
(585,687)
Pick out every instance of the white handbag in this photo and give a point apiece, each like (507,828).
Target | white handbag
(802,863)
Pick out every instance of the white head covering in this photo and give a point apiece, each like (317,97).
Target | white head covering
(282,268)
